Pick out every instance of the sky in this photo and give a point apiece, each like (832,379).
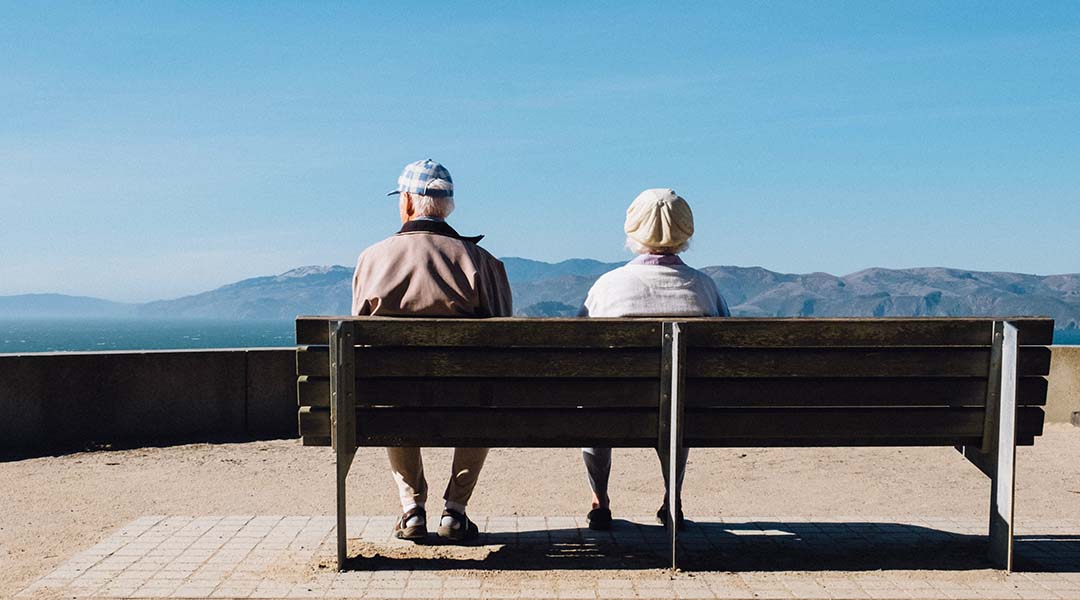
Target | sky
(150,150)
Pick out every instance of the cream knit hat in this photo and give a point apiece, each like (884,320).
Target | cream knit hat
(659,218)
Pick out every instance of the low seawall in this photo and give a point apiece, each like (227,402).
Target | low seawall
(1063,395)
(73,400)
(65,400)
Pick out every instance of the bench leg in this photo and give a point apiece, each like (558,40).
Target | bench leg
(342,419)
(344,461)
(1003,484)
(671,417)
(997,456)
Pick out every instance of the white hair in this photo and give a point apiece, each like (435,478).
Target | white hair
(439,207)
(430,206)
(638,248)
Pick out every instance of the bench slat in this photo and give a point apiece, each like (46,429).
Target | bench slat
(515,393)
(729,332)
(751,427)
(525,428)
(645,363)
(858,332)
(853,426)
(792,392)
(314,421)
(538,393)
(483,362)
(538,333)
(851,362)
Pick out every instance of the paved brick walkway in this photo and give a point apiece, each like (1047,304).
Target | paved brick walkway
(557,557)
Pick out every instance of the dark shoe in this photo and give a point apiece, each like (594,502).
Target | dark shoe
(465,530)
(599,519)
(662,517)
(416,532)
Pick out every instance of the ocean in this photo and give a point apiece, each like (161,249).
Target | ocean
(101,335)
(1069,337)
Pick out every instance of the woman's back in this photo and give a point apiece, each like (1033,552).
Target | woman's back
(654,285)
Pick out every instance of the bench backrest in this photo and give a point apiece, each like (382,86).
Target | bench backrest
(603,382)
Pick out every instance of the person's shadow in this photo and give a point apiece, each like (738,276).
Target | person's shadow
(743,546)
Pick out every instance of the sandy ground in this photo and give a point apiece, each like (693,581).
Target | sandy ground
(54,507)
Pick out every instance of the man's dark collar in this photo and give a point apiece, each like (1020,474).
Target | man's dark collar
(438,228)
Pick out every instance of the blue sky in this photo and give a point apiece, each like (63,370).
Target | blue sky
(154,149)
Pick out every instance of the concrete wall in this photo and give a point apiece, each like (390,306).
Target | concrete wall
(78,399)
(51,401)
(1063,397)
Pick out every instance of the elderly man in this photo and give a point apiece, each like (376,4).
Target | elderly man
(428,270)
(657,283)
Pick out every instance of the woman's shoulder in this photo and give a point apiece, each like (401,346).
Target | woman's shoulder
(613,277)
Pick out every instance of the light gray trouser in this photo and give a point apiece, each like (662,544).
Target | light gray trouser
(598,464)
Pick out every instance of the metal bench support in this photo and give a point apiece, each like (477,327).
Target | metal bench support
(342,419)
(671,418)
(1002,449)
(996,458)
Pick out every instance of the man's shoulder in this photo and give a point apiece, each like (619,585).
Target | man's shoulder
(409,239)
(422,241)
(377,247)
(487,256)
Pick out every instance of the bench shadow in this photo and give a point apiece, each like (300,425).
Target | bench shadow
(1047,553)
(709,546)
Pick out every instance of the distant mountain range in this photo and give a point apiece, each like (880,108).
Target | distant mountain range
(544,289)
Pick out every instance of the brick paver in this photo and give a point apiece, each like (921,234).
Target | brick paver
(559,557)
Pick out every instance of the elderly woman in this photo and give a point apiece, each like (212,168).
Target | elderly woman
(657,283)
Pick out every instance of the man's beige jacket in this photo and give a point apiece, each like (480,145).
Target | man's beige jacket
(428,270)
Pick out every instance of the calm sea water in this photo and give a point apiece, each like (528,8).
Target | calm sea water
(53,335)
(59,335)
(1071,337)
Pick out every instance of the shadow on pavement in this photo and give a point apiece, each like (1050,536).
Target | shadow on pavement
(710,546)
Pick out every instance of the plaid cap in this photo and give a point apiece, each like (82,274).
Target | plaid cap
(417,176)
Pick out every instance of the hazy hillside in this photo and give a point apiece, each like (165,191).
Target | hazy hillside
(546,289)
(26,306)
(552,289)
(900,292)
(305,290)
(524,270)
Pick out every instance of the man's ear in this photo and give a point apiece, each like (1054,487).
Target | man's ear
(405,207)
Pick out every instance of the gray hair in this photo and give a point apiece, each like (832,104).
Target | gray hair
(432,206)
(638,248)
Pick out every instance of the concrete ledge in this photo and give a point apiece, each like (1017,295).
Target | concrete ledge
(1063,396)
(76,399)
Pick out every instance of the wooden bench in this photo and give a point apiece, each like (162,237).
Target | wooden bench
(974,383)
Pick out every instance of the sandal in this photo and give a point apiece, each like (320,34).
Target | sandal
(599,519)
(465,530)
(402,531)
(662,517)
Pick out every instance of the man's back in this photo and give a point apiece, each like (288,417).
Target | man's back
(427,270)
